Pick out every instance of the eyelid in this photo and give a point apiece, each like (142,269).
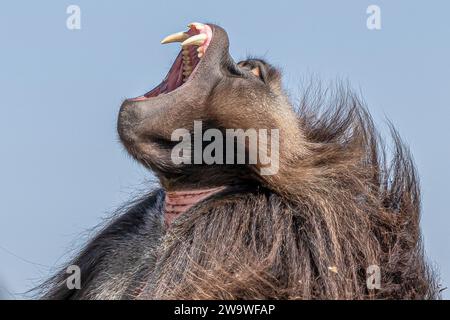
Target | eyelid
(244,68)
(262,73)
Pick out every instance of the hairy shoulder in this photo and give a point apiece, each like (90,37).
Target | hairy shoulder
(117,256)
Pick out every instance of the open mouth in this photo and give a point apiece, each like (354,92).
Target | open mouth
(194,44)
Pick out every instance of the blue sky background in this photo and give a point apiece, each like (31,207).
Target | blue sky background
(62,169)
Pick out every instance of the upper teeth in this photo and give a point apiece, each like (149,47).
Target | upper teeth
(196,25)
(186,41)
(196,40)
(176,37)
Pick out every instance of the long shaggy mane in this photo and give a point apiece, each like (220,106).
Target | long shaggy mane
(340,210)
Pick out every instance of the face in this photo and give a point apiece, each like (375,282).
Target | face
(204,84)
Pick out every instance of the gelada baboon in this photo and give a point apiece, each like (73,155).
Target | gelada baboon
(311,230)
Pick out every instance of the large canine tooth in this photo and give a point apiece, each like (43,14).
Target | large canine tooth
(196,40)
(176,37)
(197,25)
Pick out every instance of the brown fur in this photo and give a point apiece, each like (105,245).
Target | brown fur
(349,211)
(308,232)
(342,210)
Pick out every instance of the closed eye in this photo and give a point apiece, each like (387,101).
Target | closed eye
(234,71)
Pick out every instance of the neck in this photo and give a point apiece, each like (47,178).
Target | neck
(178,202)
